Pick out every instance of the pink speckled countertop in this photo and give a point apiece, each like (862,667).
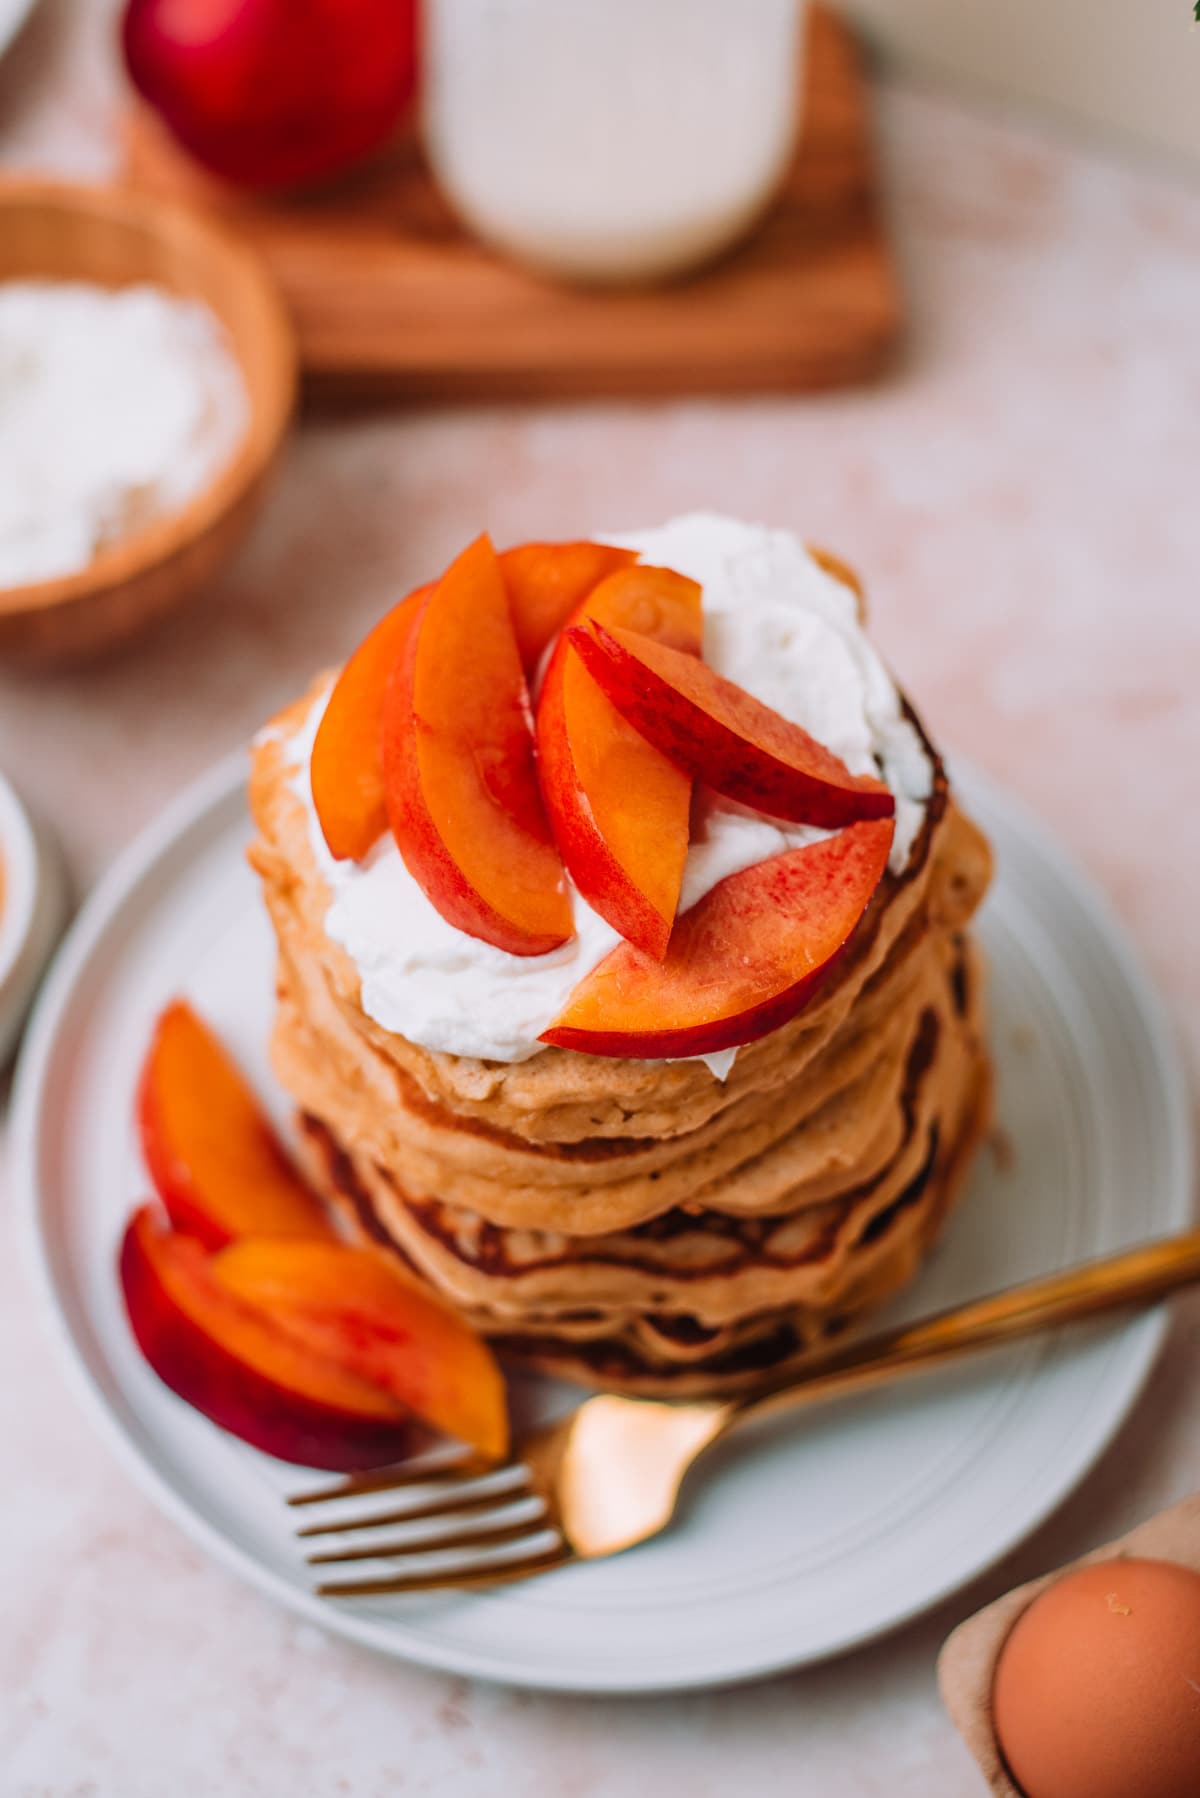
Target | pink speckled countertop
(1021,495)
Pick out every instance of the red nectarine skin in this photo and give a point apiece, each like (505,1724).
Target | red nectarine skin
(458,760)
(347,762)
(260,1383)
(742,961)
(216,1164)
(720,734)
(546,582)
(360,1311)
(620,808)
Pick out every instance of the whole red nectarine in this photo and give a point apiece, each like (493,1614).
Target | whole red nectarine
(275,93)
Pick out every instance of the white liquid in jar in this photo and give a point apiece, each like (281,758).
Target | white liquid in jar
(611,139)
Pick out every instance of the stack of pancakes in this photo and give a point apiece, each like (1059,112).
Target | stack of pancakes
(644,1225)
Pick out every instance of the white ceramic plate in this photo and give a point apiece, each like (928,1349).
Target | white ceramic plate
(13,14)
(33,909)
(808,1536)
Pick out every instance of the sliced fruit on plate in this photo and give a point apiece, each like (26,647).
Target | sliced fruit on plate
(546,582)
(347,767)
(233,1364)
(722,735)
(362,1313)
(619,807)
(742,961)
(458,758)
(216,1163)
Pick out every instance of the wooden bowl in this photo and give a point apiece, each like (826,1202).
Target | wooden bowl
(54,231)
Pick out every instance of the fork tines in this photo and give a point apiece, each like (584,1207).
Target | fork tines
(497,1527)
(456,1464)
(481,1575)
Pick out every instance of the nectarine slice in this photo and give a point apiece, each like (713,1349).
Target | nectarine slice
(347,764)
(619,807)
(360,1312)
(743,960)
(841,571)
(229,1361)
(720,734)
(458,758)
(216,1164)
(547,581)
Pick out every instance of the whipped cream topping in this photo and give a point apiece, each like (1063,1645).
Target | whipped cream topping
(777,624)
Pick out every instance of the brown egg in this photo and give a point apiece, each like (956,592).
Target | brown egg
(1097,1690)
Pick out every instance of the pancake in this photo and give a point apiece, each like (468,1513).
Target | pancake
(662,1354)
(646,1226)
(671,1358)
(696,1259)
(601,1185)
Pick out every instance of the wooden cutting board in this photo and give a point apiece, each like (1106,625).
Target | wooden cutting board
(392,299)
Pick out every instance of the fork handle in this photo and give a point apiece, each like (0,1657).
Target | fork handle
(1133,1277)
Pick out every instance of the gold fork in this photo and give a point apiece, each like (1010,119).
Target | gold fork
(608,1475)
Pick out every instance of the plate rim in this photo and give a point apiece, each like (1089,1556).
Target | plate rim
(189,811)
(15,22)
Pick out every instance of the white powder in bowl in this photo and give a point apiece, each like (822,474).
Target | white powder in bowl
(116,408)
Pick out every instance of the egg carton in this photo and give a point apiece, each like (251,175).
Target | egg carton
(967,1664)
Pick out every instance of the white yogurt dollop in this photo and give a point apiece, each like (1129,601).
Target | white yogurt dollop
(776,623)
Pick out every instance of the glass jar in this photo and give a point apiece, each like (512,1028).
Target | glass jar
(611,140)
